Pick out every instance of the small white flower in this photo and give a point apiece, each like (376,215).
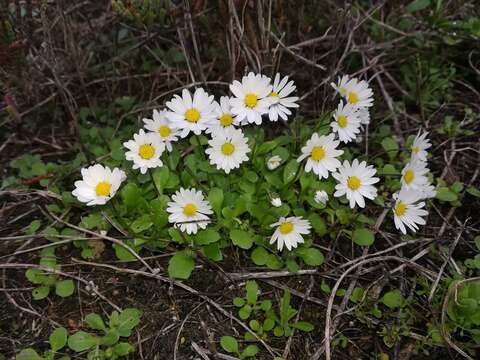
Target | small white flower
(347,122)
(279,99)
(145,150)
(321,197)
(359,93)
(189,210)
(250,100)
(341,86)
(321,153)
(274,162)
(364,115)
(191,114)
(98,185)
(277,202)
(408,211)
(289,232)
(419,146)
(356,182)
(228,149)
(224,119)
(161,126)
(414,175)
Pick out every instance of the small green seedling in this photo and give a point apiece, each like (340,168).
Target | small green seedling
(107,345)
(48,281)
(249,304)
(57,341)
(230,344)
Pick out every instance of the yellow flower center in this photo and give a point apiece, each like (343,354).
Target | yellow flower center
(192,115)
(408,176)
(416,150)
(164,131)
(286,228)
(317,153)
(226,120)
(189,210)
(273,93)
(228,149)
(103,188)
(251,100)
(400,208)
(352,98)
(353,182)
(342,121)
(146,151)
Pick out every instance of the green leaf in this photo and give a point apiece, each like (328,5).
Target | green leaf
(28,354)
(33,227)
(417,5)
(206,237)
(64,288)
(259,256)
(290,171)
(181,265)
(215,198)
(252,289)
(311,256)
(268,324)
(473,191)
(393,299)
(95,321)
(110,338)
(249,351)
(318,224)
(244,312)
(212,251)
(81,341)
(390,146)
(35,276)
(58,339)
(131,195)
(160,177)
(363,237)
(254,325)
(238,301)
(303,326)
(274,262)
(357,295)
(445,194)
(242,239)
(127,320)
(229,344)
(123,349)
(142,223)
(40,292)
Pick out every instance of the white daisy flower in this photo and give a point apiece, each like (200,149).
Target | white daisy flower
(321,197)
(289,232)
(145,150)
(277,202)
(359,93)
(347,122)
(414,175)
(279,99)
(189,210)
(228,149)
(356,182)
(161,125)
(98,185)
(419,146)
(250,101)
(273,162)
(224,119)
(408,211)
(364,115)
(191,114)
(322,154)
(341,86)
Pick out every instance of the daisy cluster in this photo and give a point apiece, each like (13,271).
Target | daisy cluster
(256,98)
